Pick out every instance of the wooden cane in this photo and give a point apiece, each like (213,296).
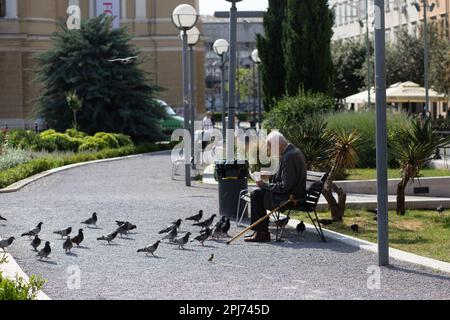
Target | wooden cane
(290,200)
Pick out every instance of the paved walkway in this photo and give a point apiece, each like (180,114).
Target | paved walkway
(140,190)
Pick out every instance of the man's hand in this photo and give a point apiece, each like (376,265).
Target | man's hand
(260,183)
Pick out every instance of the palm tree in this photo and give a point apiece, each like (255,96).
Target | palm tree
(315,141)
(325,150)
(344,156)
(414,146)
(75,104)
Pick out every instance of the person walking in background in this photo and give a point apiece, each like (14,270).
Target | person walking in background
(208,122)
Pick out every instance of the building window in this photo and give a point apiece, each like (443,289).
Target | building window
(2,8)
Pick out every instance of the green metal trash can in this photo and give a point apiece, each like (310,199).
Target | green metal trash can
(232,179)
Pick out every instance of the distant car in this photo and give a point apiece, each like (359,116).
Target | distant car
(172,121)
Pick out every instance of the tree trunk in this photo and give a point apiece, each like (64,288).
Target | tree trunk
(337,208)
(401,198)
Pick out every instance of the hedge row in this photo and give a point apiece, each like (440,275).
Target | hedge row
(71,140)
(38,165)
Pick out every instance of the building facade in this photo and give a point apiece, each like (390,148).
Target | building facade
(26,27)
(217,27)
(350,18)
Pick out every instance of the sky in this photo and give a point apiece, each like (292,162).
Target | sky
(209,6)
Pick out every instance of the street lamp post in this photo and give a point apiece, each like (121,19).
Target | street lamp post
(184,17)
(221,47)
(232,81)
(257,61)
(426,49)
(193,38)
(381,133)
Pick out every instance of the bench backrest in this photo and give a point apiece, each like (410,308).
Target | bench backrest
(314,186)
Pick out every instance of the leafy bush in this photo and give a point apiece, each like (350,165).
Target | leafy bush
(294,110)
(76,134)
(123,140)
(61,142)
(19,289)
(364,123)
(12,157)
(23,139)
(109,138)
(47,133)
(93,144)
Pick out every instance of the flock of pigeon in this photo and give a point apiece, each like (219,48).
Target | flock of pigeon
(208,231)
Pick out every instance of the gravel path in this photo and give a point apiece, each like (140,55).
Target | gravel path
(140,190)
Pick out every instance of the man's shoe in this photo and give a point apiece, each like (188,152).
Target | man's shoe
(261,236)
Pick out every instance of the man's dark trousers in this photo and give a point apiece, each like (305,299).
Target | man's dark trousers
(258,211)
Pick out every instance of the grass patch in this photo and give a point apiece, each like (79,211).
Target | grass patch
(421,232)
(365,174)
(51,161)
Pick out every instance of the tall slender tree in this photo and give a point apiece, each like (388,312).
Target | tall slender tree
(270,50)
(307,33)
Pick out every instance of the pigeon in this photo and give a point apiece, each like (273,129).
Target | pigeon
(127,60)
(182,241)
(6,243)
(110,237)
(217,230)
(4,219)
(203,236)
(92,220)
(301,228)
(33,232)
(175,224)
(122,230)
(226,227)
(325,222)
(68,245)
(374,211)
(211,258)
(36,243)
(64,233)
(354,227)
(171,235)
(78,239)
(128,225)
(282,222)
(151,248)
(196,217)
(206,223)
(45,252)
(440,209)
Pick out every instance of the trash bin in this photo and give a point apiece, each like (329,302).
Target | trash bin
(232,179)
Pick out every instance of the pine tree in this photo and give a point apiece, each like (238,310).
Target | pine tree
(307,33)
(117,97)
(270,51)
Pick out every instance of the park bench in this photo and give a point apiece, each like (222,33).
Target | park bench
(314,186)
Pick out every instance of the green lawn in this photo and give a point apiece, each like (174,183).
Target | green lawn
(425,233)
(364,174)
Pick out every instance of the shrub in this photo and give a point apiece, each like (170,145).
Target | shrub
(19,289)
(93,144)
(293,110)
(47,133)
(109,138)
(123,140)
(61,142)
(12,157)
(75,134)
(364,123)
(23,139)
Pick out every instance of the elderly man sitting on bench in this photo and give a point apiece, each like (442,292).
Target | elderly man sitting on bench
(289,179)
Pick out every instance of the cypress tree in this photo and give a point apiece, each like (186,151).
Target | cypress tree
(270,50)
(117,97)
(307,33)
